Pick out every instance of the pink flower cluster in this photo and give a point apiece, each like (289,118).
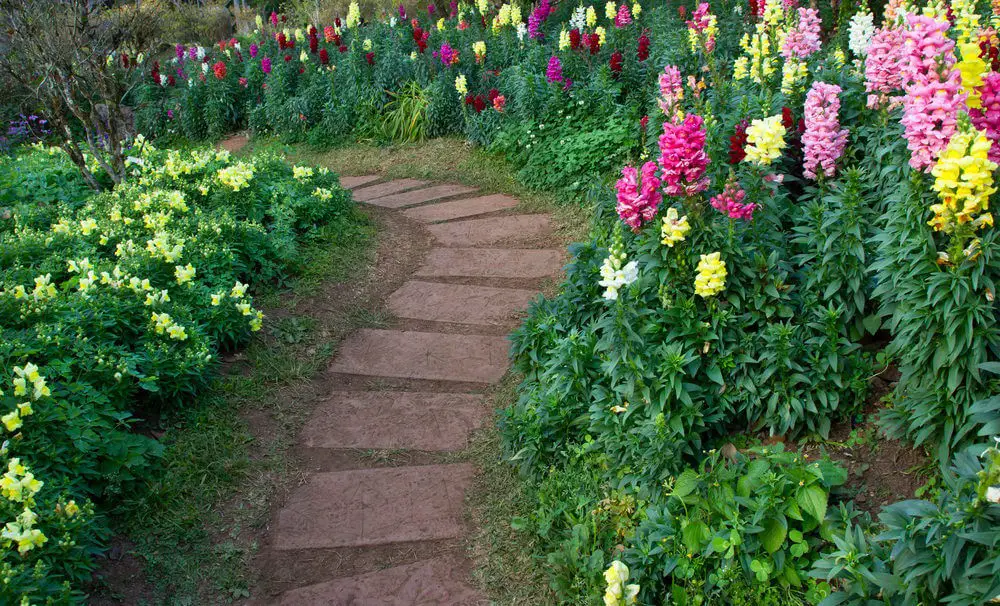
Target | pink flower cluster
(883,74)
(671,90)
(824,140)
(553,73)
(682,156)
(933,90)
(730,202)
(987,118)
(700,21)
(637,202)
(624,16)
(447,54)
(803,41)
(537,17)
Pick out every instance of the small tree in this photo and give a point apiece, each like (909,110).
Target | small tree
(78,60)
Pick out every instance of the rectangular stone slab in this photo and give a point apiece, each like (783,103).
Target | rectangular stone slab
(446,211)
(352,182)
(375,507)
(384,189)
(483,232)
(423,355)
(419,196)
(459,303)
(437,582)
(395,420)
(492,263)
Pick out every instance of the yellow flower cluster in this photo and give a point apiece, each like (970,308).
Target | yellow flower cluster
(509,14)
(479,49)
(461,85)
(963,180)
(756,63)
(697,39)
(238,292)
(636,9)
(184,274)
(711,278)
(323,194)
(765,140)
(236,176)
(483,6)
(164,245)
(591,16)
(793,74)
(601,34)
(617,592)
(19,485)
(163,323)
(774,12)
(302,172)
(610,11)
(28,375)
(972,68)
(674,229)
(353,15)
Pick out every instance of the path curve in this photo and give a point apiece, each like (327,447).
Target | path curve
(362,528)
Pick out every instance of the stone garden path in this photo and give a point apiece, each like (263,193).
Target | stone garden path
(414,391)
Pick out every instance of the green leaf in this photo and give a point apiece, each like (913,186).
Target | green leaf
(686,483)
(812,500)
(774,535)
(695,534)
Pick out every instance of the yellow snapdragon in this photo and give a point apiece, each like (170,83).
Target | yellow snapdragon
(461,85)
(674,229)
(711,278)
(353,15)
(765,140)
(618,593)
(302,172)
(236,176)
(591,16)
(963,180)
(184,274)
(610,11)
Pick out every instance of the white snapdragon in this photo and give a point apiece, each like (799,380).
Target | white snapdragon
(860,32)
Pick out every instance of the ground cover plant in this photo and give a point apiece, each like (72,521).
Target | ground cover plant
(114,310)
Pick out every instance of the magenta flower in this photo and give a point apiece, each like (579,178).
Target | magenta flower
(179,49)
(682,156)
(730,202)
(883,71)
(554,71)
(537,17)
(933,90)
(823,141)
(447,54)
(265,65)
(987,118)
(637,202)
(701,21)
(274,19)
(804,39)
(253,50)
(624,16)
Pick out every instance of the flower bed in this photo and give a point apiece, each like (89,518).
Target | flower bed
(114,307)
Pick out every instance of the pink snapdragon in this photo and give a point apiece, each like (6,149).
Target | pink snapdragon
(803,41)
(701,23)
(824,140)
(553,73)
(682,156)
(671,91)
(624,16)
(933,90)
(274,19)
(883,69)
(265,65)
(537,17)
(730,202)
(987,117)
(638,201)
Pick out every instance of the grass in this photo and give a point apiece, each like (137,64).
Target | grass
(446,159)
(197,525)
(506,566)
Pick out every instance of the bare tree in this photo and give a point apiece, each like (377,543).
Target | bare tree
(78,60)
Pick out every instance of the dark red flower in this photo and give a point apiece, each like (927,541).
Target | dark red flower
(313,44)
(302,70)
(324,57)
(615,62)
(171,81)
(284,18)
(282,41)
(738,142)
(644,122)
(312,30)
(787,120)
(337,21)
(288,58)
(594,42)
(643,47)
(574,39)
(370,58)
(493,94)
(342,48)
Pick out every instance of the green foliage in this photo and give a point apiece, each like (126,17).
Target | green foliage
(945,551)
(405,117)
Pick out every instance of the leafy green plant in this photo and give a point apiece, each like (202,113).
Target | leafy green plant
(405,117)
